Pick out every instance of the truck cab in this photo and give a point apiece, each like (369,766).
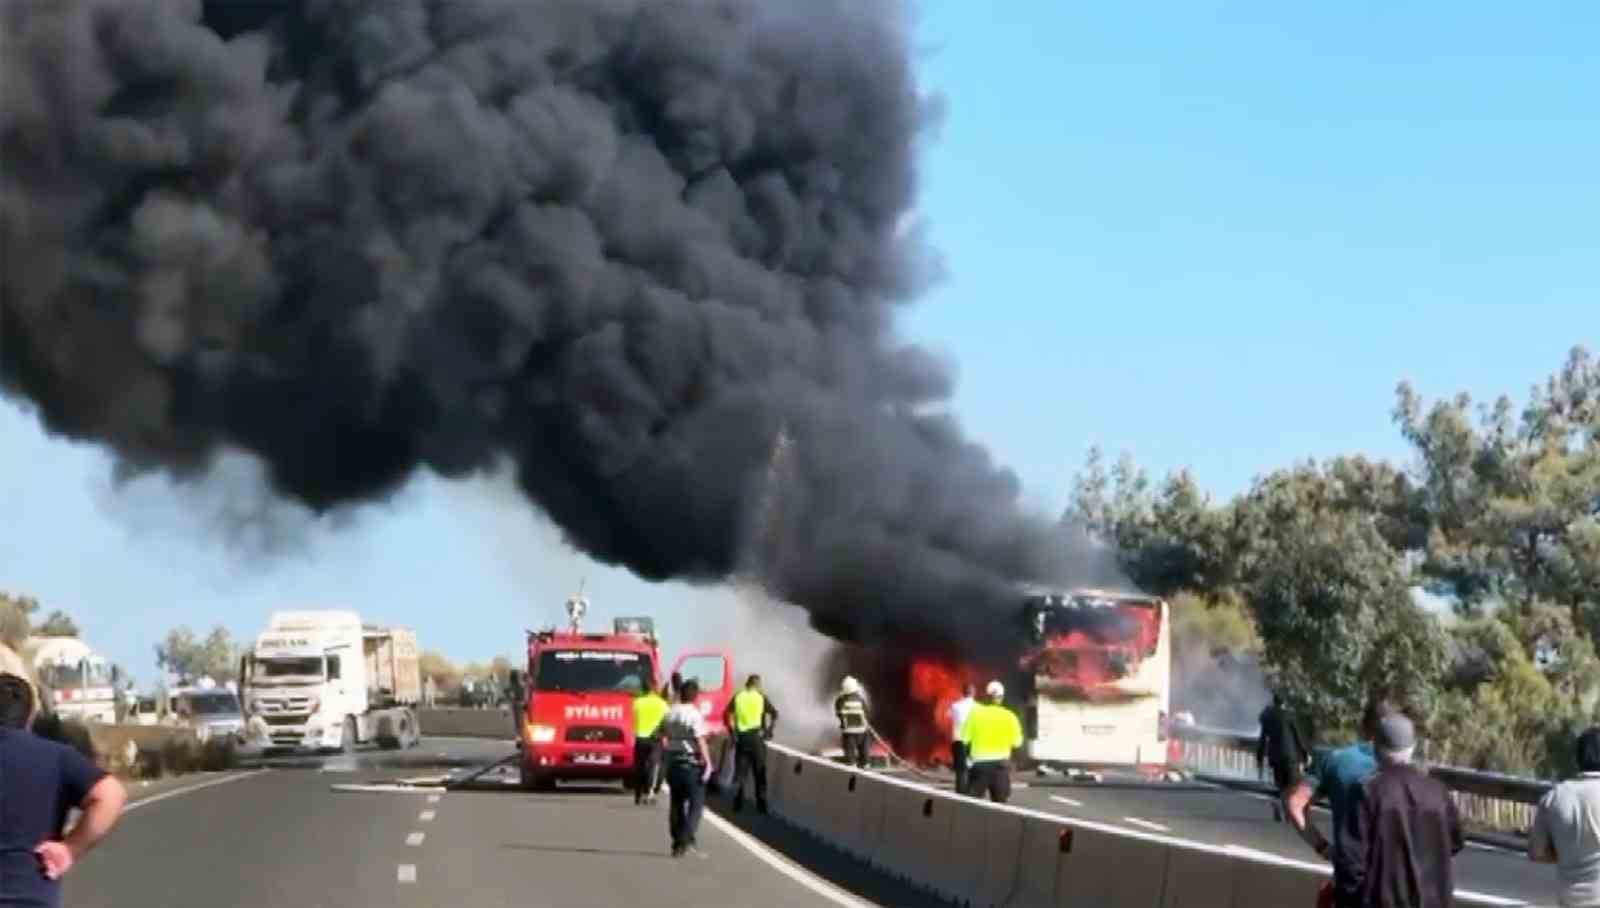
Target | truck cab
(578,716)
(81,683)
(322,680)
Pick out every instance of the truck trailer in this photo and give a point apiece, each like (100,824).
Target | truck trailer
(323,680)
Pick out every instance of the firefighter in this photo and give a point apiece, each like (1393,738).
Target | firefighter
(750,717)
(851,708)
(649,708)
(991,733)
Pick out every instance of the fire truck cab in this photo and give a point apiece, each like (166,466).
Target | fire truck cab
(577,720)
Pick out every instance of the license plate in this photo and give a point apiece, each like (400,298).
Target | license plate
(592,759)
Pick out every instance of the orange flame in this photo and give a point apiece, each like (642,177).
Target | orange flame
(934,686)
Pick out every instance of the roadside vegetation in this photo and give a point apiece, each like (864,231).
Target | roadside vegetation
(1466,581)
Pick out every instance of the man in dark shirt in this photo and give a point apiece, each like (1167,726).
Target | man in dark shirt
(40,781)
(1338,776)
(1407,828)
(1280,746)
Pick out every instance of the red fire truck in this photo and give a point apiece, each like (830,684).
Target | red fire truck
(577,722)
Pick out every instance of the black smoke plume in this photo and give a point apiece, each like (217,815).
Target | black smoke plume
(619,243)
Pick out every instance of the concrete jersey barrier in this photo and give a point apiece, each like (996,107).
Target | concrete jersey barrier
(977,853)
(466,723)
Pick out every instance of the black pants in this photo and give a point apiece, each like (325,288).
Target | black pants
(645,753)
(688,802)
(992,778)
(750,757)
(958,762)
(1284,775)
(855,748)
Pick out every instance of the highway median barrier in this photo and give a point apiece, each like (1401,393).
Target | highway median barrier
(971,852)
(494,724)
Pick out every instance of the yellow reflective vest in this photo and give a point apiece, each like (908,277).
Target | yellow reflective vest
(648,711)
(749,706)
(991,732)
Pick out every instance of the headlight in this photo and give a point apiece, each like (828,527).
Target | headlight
(542,734)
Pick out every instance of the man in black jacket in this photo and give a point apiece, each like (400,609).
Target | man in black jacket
(1408,829)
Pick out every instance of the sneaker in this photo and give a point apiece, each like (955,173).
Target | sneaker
(695,851)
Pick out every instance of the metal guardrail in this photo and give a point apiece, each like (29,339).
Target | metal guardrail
(1495,801)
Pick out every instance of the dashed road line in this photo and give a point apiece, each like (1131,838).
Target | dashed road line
(1067,801)
(433,799)
(415,838)
(426,816)
(1146,824)
(406,873)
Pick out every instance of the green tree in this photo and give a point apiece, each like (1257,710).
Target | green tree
(16,616)
(57,624)
(1331,600)
(190,658)
(433,664)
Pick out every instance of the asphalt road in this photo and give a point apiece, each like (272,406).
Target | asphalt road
(284,836)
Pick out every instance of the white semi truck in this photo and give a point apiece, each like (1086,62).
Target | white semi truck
(80,682)
(320,679)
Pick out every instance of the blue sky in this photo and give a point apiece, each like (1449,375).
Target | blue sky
(1215,235)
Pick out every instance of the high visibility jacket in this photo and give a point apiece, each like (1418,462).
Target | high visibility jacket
(991,732)
(648,711)
(749,708)
(852,712)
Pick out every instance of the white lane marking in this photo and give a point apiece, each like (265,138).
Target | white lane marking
(1146,824)
(781,864)
(406,873)
(1067,801)
(190,788)
(426,816)
(415,838)
(433,799)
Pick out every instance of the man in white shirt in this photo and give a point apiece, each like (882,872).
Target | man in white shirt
(683,735)
(959,711)
(1566,831)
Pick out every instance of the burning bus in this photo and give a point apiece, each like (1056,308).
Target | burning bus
(1096,680)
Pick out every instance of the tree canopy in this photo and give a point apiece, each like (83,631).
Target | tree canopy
(1498,518)
(57,624)
(190,658)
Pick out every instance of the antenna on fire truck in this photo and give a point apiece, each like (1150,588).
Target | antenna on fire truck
(577,606)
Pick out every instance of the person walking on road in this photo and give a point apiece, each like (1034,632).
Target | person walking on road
(683,736)
(1338,777)
(851,708)
(991,732)
(40,781)
(1408,830)
(959,711)
(751,717)
(1566,830)
(1280,746)
(649,708)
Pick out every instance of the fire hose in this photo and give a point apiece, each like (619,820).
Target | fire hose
(894,758)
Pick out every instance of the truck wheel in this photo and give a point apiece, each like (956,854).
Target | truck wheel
(347,741)
(389,735)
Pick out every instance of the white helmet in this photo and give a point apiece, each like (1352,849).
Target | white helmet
(995,690)
(850,685)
